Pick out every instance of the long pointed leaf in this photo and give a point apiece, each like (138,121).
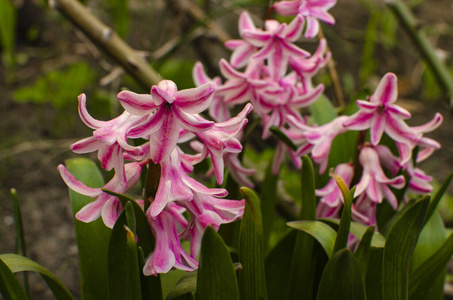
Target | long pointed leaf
(124,272)
(151,285)
(362,250)
(342,279)
(437,197)
(10,287)
(300,279)
(277,264)
(19,263)
(143,230)
(251,279)
(20,235)
(92,238)
(425,275)
(398,250)
(358,230)
(216,279)
(322,232)
(268,197)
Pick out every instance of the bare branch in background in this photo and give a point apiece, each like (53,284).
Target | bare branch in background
(105,38)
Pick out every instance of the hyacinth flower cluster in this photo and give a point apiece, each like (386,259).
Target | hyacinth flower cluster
(161,121)
(268,70)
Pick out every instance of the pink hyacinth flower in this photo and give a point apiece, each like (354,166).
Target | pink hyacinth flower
(374,183)
(206,209)
(380,115)
(218,109)
(105,205)
(310,10)
(168,111)
(321,138)
(275,44)
(221,139)
(168,252)
(331,197)
(240,87)
(106,138)
(242,50)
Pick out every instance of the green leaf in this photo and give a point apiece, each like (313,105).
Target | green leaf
(186,285)
(10,287)
(373,277)
(92,238)
(19,263)
(426,274)
(322,232)
(300,279)
(216,279)
(438,196)
(278,264)
(143,230)
(151,285)
(342,278)
(358,230)
(345,220)
(398,250)
(268,197)
(431,238)
(251,279)
(322,111)
(361,253)
(124,272)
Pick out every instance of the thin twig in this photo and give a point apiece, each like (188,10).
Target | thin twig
(105,38)
(33,146)
(428,52)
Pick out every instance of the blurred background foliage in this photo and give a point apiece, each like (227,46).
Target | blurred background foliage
(46,63)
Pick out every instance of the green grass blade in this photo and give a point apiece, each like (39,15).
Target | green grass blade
(124,272)
(322,232)
(216,279)
(10,287)
(19,263)
(398,250)
(342,279)
(20,244)
(251,279)
(92,238)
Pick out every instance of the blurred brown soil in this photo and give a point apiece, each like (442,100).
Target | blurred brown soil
(32,171)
